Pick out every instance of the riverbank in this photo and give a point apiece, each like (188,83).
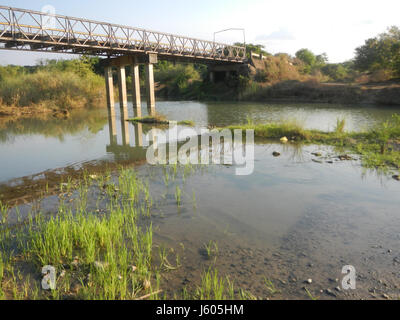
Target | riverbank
(308,91)
(312,91)
(54,87)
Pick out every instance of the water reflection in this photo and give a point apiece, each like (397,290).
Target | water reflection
(29,146)
(125,151)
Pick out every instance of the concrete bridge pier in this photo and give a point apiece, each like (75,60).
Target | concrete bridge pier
(148,60)
(123,104)
(136,99)
(150,92)
(111,104)
(138,135)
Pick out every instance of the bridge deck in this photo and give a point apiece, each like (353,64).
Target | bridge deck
(37,31)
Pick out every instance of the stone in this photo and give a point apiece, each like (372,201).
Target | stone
(309,281)
(276,154)
(317,154)
(329,292)
(345,157)
(396,177)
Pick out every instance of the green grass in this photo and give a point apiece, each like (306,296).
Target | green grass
(100,241)
(379,146)
(211,248)
(105,256)
(154,119)
(189,123)
(214,287)
(160,119)
(178,196)
(270,286)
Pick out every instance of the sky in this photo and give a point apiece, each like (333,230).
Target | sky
(335,27)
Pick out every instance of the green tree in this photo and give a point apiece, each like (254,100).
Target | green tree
(255,48)
(308,58)
(335,71)
(380,53)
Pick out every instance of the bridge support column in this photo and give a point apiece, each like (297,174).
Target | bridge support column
(109,87)
(138,135)
(151,98)
(150,59)
(123,104)
(137,103)
(123,98)
(111,105)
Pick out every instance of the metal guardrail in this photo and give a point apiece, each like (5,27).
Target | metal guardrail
(37,31)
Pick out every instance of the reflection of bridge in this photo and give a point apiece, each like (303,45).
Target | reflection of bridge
(37,31)
(125,151)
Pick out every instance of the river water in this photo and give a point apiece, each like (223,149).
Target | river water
(293,219)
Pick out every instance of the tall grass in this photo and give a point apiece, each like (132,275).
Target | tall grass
(340,125)
(52,89)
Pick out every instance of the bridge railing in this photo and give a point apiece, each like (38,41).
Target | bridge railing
(30,27)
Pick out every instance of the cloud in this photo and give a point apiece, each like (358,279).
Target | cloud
(281,34)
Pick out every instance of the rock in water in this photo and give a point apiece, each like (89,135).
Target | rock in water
(276,154)
(396,178)
(284,139)
(345,157)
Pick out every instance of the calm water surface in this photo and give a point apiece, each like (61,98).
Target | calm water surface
(30,146)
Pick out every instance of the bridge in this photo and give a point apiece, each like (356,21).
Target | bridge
(29,30)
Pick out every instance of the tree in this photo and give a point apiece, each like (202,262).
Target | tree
(308,58)
(255,48)
(380,53)
(335,71)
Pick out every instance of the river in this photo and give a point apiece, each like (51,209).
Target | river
(292,220)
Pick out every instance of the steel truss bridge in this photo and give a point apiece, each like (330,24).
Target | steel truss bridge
(37,31)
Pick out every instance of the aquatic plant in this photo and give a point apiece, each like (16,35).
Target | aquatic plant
(340,125)
(211,248)
(178,196)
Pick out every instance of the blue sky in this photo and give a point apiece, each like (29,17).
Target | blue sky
(336,27)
